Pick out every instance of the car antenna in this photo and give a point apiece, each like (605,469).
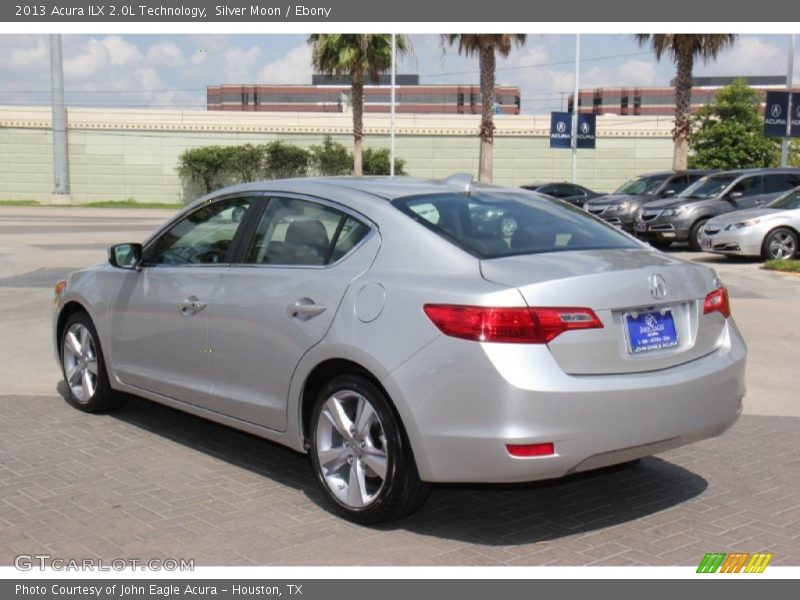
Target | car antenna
(460,181)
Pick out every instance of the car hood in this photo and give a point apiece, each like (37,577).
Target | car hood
(744,215)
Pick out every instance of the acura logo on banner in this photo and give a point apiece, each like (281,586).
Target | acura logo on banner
(560,129)
(775,114)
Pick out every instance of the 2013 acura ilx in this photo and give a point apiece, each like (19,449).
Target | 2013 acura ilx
(402,332)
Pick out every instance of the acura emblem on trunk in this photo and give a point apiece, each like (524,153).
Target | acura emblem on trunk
(658,286)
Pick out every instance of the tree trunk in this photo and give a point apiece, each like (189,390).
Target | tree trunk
(358,123)
(487,65)
(683,110)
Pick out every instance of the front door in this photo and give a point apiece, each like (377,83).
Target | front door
(279,301)
(158,317)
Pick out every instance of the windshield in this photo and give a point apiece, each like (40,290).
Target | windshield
(708,187)
(790,201)
(496,224)
(642,186)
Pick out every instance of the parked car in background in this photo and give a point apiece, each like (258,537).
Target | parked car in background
(770,232)
(619,208)
(393,331)
(680,219)
(569,192)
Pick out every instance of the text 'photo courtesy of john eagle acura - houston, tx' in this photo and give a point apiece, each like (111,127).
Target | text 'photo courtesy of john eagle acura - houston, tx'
(406,332)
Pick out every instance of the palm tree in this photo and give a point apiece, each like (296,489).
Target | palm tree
(487,47)
(356,56)
(684,48)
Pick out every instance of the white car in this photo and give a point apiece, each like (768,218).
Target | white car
(771,232)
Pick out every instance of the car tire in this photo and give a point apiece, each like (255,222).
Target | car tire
(360,454)
(780,243)
(661,244)
(694,235)
(85,377)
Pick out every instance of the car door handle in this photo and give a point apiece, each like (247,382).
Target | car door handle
(305,309)
(192,305)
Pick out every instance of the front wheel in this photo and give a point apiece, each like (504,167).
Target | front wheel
(780,243)
(360,456)
(84,370)
(694,235)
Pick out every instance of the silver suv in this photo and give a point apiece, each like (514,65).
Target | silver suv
(680,219)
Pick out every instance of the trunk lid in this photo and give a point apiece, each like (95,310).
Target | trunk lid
(615,283)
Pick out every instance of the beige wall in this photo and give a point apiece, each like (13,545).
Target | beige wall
(116,155)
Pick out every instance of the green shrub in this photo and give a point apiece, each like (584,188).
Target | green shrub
(205,165)
(331,158)
(282,160)
(244,163)
(376,162)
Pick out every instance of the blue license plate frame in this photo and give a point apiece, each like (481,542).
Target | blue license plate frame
(650,331)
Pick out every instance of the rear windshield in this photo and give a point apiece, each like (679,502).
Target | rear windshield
(642,186)
(496,224)
(790,201)
(708,187)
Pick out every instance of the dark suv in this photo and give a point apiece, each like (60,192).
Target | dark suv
(619,208)
(569,192)
(680,219)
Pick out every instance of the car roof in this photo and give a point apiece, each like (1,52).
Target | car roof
(758,171)
(387,188)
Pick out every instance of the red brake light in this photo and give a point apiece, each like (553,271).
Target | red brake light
(509,325)
(717,301)
(527,450)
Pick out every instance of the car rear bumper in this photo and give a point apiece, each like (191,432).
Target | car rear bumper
(485,396)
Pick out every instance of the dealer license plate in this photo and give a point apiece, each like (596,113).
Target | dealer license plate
(649,331)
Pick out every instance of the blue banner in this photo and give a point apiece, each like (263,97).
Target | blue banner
(560,129)
(796,114)
(775,113)
(587,130)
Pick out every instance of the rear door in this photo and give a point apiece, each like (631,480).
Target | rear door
(279,300)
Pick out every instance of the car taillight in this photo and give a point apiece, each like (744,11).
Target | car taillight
(509,325)
(717,301)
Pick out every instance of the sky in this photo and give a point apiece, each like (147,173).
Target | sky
(172,71)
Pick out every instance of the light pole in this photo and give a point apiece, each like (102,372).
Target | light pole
(575,105)
(391,125)
(61,192)
(790,105)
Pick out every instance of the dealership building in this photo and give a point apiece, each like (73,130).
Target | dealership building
(661,100)
(331,94)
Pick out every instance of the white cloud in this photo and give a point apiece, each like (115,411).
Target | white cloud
(99,56)
(165,54)
(748,56)
(28,53)
(241,64)
(293,67)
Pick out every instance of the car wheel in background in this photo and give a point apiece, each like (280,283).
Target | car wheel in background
(83,367)
(781,243)
(694,235)
(360,455)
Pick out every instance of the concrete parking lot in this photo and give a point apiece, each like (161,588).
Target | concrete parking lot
(149,482)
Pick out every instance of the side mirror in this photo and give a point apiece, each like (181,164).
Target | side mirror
(125,256)
(667,193)
(735,195)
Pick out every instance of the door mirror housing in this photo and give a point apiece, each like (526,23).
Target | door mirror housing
(667,193)
(125,256)
(735,195)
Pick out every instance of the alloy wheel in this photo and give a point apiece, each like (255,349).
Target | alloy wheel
(782,245)
(79,358)
(351,449)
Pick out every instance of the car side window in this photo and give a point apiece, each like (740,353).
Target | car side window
(750,186)
(303,233)
(780,182)
(203,236)
(677,184)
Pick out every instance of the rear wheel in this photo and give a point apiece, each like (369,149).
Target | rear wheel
(780,243)
(360,456)
(694,235)
(84,370)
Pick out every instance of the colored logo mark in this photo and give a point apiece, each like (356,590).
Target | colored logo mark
(736,562)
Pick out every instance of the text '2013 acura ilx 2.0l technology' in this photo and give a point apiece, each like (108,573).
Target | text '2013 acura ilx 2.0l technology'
(401,333)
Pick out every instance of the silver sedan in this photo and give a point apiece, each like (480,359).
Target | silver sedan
(405,331)
(772,232)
